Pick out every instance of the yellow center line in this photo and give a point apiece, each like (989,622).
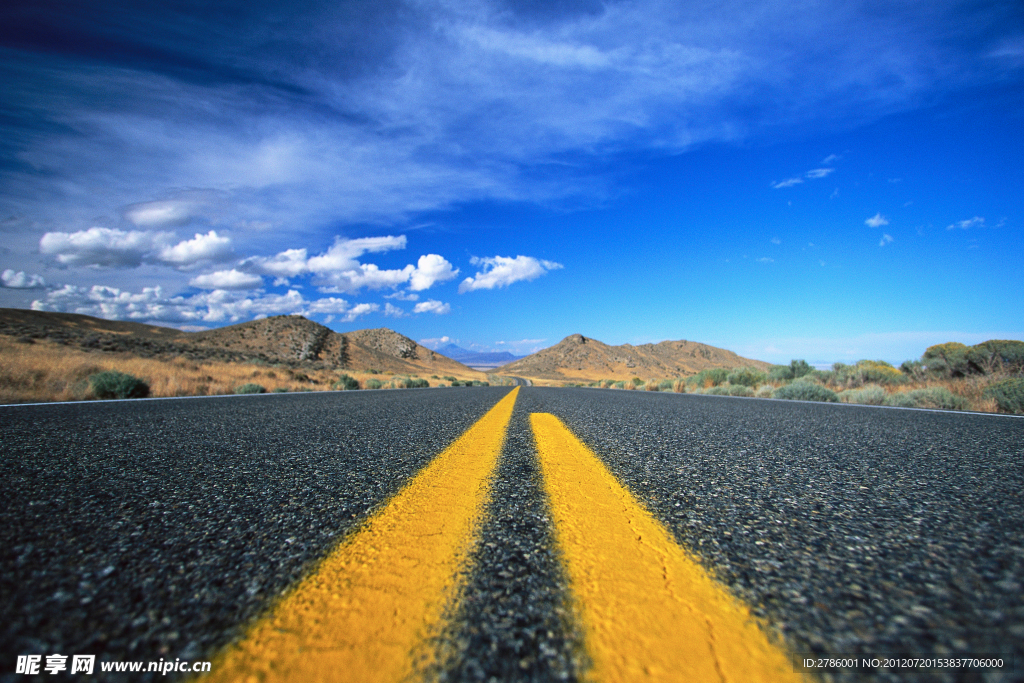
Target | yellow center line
(372,605)
(649,611)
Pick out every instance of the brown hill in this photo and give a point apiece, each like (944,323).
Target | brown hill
(580,358)
(289,339)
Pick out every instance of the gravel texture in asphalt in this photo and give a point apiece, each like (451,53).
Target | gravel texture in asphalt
(853,530)
(141,530)
(156,529)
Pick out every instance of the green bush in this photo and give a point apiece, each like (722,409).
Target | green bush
(870,394)
(995,355)
(748,377)
(618,385)
(710,377)
(764,391)
(346,383)
(113,384)
(373,384)
(780,373)
(281,390)
(947,360)
(665,385)
(250,388)
(414,383)
(929,397)
(805,391)
(1009,395)
(864,372)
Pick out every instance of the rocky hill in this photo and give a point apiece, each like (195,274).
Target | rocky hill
(292,340)
(579,358)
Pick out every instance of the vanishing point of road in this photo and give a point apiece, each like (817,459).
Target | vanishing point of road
(531,534)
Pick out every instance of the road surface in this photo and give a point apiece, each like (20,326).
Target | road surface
(177,529)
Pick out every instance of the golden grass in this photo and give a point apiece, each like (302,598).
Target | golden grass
(48,371)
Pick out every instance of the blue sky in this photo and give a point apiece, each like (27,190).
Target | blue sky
(820,180)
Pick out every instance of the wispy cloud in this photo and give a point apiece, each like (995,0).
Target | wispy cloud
(876,221)
(967,224)
(502,271)
(886,239)
(813,174)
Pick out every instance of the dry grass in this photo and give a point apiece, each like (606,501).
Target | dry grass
(47,371)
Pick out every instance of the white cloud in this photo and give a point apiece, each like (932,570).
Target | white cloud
(819,172)
(160,214)
(776,240)
(403,296)
(105,247)
(288,263)
(227,279)
(975,222)
(432,306)
(787,183)
(217,306)
(765,259)
(363,276)
(343,253)
(20,280)
(501,271)
(886,239)
(876,221)
(392,311)
(208,247)
(431,269)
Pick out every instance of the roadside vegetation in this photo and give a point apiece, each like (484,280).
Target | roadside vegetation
(40,371)
(987,377)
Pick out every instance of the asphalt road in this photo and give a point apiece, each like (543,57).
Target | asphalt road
(156,529)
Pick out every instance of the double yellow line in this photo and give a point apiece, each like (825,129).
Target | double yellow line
(371,609)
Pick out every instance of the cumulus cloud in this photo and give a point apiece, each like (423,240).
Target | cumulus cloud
(227,279)
(208,247)
(502,271)
(975,222)
(431,269)
(103,247)
(217,306)
(876,221)
(432,306)
(286,264)
(886,239)
(113,248)
(20,280)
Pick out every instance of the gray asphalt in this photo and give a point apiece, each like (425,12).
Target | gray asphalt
(148,529)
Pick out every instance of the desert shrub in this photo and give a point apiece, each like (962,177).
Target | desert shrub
(780,373)
(619,385)
(373,371)
(914,369)
(764,391)
(413,383)
(679,386)
(250,388)
(822,376)
(719,390)
(636,381)
(997,355)
(740,390)
(665,385)
(280,390)
(346,383)
(652,385)
(864,372)
(947,360)
(748,377)
(111,384)
(1008,394)
(870,394)
(805,391)
(929,397)
(709,377)
(373,384)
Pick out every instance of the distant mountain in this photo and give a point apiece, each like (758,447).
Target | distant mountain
(580,358)
(289,339)
(476,359)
